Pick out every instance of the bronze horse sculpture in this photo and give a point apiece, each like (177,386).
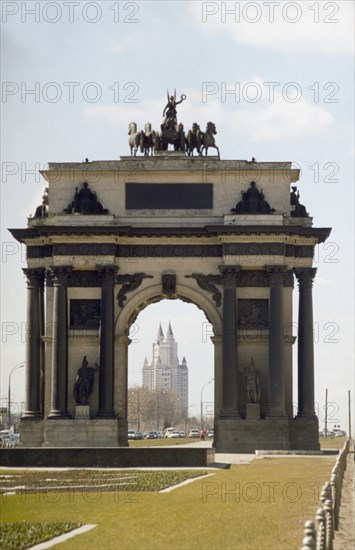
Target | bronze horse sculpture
(134,138)
(147,140)
(194,140)
(208,138)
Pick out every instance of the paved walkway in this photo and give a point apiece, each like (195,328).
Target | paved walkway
(345,537)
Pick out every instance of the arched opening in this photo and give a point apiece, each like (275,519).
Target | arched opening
(171,339)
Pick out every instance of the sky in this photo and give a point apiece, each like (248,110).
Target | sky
(277,79)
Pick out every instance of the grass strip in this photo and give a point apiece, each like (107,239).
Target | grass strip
(262,505)
(21,535)
(34,481)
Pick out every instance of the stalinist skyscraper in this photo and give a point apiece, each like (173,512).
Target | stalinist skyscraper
(165,372)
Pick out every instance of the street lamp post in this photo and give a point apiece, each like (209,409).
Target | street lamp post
(19,366)
(201,402)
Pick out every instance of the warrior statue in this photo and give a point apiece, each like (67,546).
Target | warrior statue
(84,382)
(251,382)
(170,112)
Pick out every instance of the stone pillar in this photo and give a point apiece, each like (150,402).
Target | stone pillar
(306,409)
(34,345)
(218,375)
(122,386)
(276,341)
(59,382)
(106,372)
(230,367)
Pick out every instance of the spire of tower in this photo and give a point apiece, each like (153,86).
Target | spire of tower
(160,337)
(170,334)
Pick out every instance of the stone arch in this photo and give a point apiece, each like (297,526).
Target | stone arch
(153,294)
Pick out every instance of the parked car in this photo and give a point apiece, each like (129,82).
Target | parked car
(138,435)
(182,434)
(14,440)
(194,432)
(175,433)
(339,433)
(131,434)
(160,435)
(152,435)
(210,433)
(168,431)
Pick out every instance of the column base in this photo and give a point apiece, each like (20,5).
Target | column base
(31,430)
(304,433)
(58,415)
(106,414)
(31,415)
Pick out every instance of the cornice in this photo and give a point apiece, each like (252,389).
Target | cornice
(43,235)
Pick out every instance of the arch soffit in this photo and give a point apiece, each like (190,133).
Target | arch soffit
(153,294)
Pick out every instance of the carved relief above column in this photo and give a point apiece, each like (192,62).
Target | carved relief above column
(129,283)
(208,283)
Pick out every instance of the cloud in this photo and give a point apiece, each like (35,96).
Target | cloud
(292,27)
(281,120)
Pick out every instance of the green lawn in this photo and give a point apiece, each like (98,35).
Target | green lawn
(262,505)
(332,442)
(162,442)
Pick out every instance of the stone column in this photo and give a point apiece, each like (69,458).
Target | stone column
(218,376)
(106,372)
(276,341)
(34,333)
(230,367)
(59,382)
(122,386)
(306,409)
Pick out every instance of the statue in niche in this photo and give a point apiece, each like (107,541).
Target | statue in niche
(297,209)
(42,209)
(253,202)
(251,382)
(85,202)
(84,382)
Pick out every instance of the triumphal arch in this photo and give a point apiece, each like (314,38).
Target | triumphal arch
(111,237)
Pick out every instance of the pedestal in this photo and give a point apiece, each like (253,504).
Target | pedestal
(82,411)
(253,411)
(249,435)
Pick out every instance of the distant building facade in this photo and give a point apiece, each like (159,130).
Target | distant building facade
(165,372)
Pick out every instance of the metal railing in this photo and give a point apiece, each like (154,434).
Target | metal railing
(319,535)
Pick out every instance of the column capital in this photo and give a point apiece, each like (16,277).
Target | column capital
(107,274)
(305,276)
(60,274)
(229,274)
(35,276)
(276,274)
